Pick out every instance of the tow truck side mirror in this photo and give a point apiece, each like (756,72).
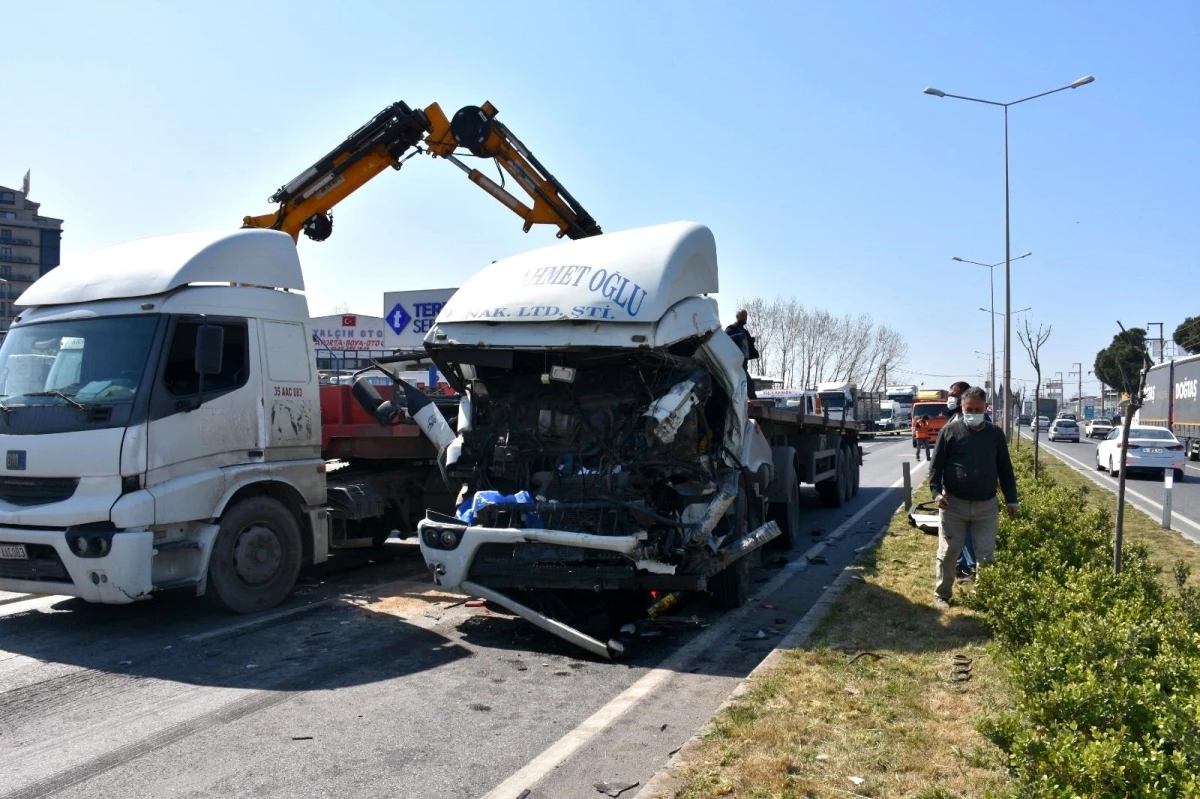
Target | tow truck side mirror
(210,350)
(210,353)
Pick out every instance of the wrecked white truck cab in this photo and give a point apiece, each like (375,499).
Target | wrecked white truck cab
(604,440)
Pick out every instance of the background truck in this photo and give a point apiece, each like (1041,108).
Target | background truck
(1172,400)
(162,413)
(896,410)
(1048,407)
(837,400)
(929,416)
(604,441)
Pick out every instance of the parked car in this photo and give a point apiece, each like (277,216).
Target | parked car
(1064,430)
(1024,420)
(1097,428)
(1043,422)
(1154,448)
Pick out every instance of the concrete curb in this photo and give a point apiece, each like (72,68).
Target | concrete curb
(665,782)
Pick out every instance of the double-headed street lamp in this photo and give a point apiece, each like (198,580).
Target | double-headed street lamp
(992,288)
(1007,247)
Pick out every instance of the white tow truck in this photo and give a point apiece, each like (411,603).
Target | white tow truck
(604,441)
(163,427)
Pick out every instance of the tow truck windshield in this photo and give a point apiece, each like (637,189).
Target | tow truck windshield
(76,361)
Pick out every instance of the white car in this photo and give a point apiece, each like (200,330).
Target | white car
(1097,428)
(1043,422)
(1064,430)
(1150,447)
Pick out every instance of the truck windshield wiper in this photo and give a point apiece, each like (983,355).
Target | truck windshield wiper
(54,392)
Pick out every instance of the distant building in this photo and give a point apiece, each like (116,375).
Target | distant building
(29,247)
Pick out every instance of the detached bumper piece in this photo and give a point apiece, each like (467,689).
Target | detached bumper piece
(926,518)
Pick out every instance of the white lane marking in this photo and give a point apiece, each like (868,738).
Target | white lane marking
(29,605)
(257,620)
(537,769)
(1088,472)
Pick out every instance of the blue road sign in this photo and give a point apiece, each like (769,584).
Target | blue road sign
(398,319)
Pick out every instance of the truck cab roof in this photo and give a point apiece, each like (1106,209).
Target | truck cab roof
(159,265)
(618,289)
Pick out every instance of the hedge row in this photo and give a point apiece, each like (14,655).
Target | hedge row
(1105,669)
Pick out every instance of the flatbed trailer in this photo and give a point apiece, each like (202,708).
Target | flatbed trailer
(828,452)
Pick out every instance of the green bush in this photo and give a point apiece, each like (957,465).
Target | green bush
(1105,669)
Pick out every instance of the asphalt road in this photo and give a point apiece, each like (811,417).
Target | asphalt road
(1143,490)
(371,682)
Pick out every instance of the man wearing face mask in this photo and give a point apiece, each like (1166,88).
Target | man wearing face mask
(970,458)
(965,568)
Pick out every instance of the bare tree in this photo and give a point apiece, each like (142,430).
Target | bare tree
(340,308)
(1032,342)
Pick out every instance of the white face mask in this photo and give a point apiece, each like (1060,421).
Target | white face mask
(973,419)
(952,403)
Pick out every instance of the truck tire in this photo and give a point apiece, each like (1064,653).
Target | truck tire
(730,586)
(855,469)
(787,516)
(833,489)
(256,556)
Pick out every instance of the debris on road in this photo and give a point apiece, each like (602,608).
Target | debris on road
(614,789)
(475,603)
(302,737)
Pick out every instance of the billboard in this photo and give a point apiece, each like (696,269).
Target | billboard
(350,332)
(408,315)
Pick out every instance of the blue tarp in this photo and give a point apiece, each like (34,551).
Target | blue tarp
(482,499)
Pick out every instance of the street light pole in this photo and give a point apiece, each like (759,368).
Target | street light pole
(1007,230)
(992,288)
(1079,396)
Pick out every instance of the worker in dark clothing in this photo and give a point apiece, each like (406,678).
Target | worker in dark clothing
(970,458)
(965,568)
(741,336)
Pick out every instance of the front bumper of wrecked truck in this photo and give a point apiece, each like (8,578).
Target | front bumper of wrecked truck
(450,561)
(119,576)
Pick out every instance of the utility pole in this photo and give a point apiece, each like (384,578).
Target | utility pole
(1162,344)
(1079,397)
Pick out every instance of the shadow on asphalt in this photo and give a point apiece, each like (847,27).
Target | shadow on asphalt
(177,637)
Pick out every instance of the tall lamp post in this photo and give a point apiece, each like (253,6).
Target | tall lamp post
(1007,245)
(992,287)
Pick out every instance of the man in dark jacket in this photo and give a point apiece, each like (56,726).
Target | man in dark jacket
(971,456)
(741,336)
(966,561)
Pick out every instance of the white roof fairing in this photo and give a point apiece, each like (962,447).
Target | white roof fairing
(147,267)
(634,276)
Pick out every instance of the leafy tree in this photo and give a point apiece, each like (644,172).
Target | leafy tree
(1123,365)
(1187,335)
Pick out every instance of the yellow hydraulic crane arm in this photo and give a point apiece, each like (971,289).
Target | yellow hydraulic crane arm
(396,134)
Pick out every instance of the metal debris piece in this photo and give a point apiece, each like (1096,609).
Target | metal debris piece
(856,780)
(475,603)
(822,756)
(614,789)
(302,737)
(861,655)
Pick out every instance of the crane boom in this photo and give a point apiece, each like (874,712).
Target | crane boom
(393,136)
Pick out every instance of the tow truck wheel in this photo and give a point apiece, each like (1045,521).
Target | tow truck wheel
(255,558)
(731,585)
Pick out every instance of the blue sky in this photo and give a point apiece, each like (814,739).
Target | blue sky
(797,131)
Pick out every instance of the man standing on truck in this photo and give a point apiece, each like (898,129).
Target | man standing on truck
(741,336)
(970,457)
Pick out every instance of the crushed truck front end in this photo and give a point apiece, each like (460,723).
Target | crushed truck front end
(604,445)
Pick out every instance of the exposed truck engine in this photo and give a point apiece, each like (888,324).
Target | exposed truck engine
(604,439)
